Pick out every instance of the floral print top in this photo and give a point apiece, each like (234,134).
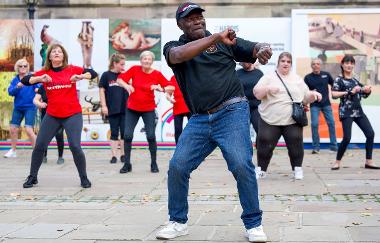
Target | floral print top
(350,103)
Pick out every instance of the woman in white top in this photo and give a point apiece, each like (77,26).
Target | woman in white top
(276,115)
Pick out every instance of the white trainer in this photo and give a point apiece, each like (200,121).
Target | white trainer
(10,154)
(172,230)
(256,234)
(259,173)
(298,173)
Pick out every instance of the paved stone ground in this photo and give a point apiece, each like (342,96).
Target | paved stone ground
(327,206)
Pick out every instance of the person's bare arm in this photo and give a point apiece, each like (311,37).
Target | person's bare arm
(102,96)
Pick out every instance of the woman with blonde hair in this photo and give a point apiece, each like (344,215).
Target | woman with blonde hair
(276,115)
(63,110)
(113,100)
(141,81)
(23,106)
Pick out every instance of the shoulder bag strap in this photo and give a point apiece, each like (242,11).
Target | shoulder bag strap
(285,86)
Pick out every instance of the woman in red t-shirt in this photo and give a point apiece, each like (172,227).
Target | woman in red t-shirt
(141,81)
(180,109)
(63,111)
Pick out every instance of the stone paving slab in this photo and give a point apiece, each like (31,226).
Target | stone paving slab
(8,228)
(43,231)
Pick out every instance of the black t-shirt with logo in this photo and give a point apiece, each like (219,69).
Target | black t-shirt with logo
(116,96)
(249,79)
(209,79)
(320,82)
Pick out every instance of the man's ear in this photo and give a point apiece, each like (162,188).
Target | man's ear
(179,24)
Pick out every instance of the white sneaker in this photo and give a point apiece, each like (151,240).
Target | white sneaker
(298,173)
(10,154)
(259,173)
(256,234)
(172,230)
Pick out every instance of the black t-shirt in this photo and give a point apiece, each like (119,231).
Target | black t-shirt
(116,96)
(320,82)
(210,78)
(249,79)
(349,105)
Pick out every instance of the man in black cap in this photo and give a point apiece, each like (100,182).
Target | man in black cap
(204,66)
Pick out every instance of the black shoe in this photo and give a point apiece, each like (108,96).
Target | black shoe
(315,151)
(113,160)
(127,167)
(154,168)
(30,181)
(84,182)
(122,159)
(373,167)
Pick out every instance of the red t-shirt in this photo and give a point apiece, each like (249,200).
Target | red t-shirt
(61,93)
(179,106)
(142,99)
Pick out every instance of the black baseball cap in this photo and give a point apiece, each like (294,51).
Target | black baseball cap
(184,9)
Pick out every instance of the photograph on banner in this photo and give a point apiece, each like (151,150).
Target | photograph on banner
(85,41)
(131,37)
(253,29)
(329,34)
(16,42)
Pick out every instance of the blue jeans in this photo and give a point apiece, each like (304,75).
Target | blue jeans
(328,114)
(227,129)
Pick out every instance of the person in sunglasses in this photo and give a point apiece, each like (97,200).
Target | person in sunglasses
(24,109)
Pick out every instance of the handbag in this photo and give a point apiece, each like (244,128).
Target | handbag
(298,111)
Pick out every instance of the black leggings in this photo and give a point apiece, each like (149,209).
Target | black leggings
(131,119)
(268,137)
(254,117)
(365,126)
(178,124)
(117,123)
(49,127)
(58,138)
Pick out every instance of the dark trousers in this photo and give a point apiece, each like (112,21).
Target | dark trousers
(178,125)
(58,138)
(49,127)
(254,118)
(365,126)
(117,124)
(267,140)
(131,119)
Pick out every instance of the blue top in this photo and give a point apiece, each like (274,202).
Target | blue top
(23,96)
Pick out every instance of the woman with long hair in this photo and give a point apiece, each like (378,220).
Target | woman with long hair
(113,100)
(351,91)
(63,111)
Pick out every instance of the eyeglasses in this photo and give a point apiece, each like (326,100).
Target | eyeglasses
(22,66)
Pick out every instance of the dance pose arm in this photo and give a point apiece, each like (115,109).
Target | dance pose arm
(37,101)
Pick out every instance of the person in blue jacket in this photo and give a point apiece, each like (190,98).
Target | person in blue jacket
(23,106)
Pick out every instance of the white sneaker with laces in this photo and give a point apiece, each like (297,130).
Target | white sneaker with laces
(172,230)
(298,173)
(260,173)
(256,234)
(10,154)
